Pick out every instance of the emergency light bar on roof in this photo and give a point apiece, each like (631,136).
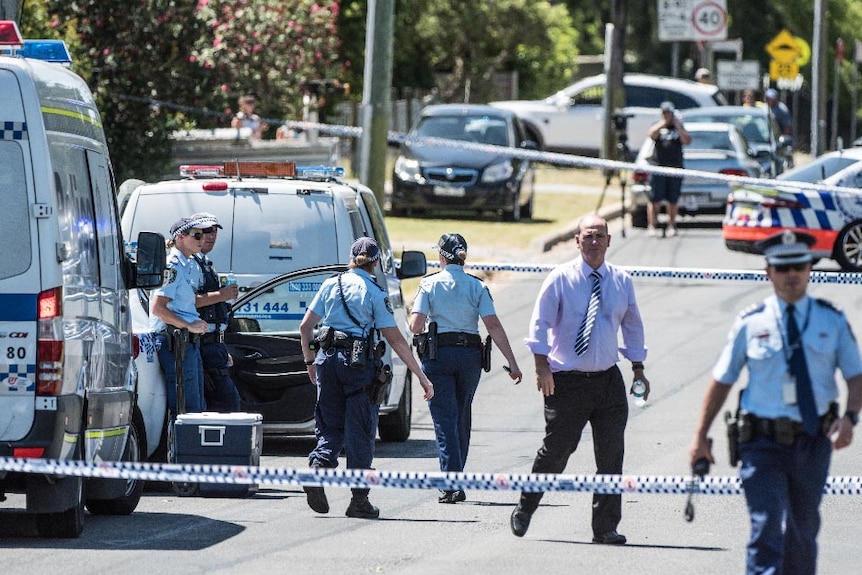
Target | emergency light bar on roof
(10,37)
(54,51)
(261,170)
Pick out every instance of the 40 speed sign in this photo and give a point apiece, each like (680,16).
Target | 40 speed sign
(692,20)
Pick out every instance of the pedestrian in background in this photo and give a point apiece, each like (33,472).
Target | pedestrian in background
(454,301)
(172,307)
(703,75)
(780,111)
(791,345)
(581,308)
(669,136)
(220,391)
(246,117)
(749,99)
(353,306)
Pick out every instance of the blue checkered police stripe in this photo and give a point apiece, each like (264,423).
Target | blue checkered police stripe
(366,478)
(20,371)
(13,131)
(673,273)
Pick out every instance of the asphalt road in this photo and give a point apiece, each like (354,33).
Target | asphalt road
(275,532)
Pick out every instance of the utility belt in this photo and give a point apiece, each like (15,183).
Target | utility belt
(213,337)
(361,348)
(173,333)
(746,427)
(458,339)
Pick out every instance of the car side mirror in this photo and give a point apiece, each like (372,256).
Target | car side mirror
(529,145)
(413,264)
(151,261)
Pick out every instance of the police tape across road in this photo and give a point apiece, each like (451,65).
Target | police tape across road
(701,274)
(554,158)
(364,478)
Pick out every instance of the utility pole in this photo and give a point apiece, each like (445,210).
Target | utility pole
(9,10)
(375,96)
(818,80)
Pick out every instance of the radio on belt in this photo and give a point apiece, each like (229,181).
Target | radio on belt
(219,439)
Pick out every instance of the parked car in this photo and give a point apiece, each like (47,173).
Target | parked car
(773,149)
(428,177)
(714,147)
(277,218)
(571,120)
(833,218)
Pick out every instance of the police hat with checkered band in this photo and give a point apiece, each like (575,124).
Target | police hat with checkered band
(787,247)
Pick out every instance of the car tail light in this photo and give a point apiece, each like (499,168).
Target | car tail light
(640,177)
(28,452)
(733,172)
(49,342)
(136,346)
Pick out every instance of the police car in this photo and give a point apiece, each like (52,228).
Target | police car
(67,377)
(834,218)
(278,219)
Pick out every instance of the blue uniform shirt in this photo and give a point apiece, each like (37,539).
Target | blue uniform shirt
(368,303)
(184,277)
(454,299)
(758,340)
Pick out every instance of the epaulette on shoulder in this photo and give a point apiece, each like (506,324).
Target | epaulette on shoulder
(828,305)
(752,309)
(476,278)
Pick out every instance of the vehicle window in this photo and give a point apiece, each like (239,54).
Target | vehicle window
(818,169)
(710,141)
(106,219)
(281,308)
(589,97)
(16,255)
(449,127)
(379,228)
(78,230)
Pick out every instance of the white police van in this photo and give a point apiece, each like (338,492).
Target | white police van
(67,375)
(277,219)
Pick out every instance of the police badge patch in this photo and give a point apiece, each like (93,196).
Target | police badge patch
(388,305)
(172,275)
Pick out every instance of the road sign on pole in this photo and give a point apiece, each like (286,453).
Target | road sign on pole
(692,20)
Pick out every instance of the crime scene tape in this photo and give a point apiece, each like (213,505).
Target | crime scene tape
(365,478)
(702,274)
(532,155)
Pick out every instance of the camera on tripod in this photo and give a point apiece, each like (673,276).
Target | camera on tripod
(621,122)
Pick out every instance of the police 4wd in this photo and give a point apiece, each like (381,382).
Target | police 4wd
(67,375)
(277,220)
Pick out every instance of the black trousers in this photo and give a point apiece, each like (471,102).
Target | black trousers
(600,401)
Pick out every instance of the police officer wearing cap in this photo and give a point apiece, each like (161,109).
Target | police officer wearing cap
(455,300)
(352,306)
(172,307)
(791,344)
(220,391)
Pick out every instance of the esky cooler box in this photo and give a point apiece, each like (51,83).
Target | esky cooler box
(219,439)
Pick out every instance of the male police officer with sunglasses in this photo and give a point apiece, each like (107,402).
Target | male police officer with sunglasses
(788,421)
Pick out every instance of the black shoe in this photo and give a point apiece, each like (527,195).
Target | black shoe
(610,538)
(520,521)
(316,499)
(362,509)
(452,496)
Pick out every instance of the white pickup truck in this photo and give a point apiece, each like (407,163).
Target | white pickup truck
(571,120)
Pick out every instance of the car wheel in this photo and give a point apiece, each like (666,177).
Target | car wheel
(66,524)
(395,427)
(527,210)
(134,452)
(848,248)
(639,217)
(513,214)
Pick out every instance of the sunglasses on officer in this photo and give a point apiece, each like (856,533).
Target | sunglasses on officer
(784,268)
(198,234)
(210,230)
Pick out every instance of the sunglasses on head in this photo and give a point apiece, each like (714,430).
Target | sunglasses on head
(784,268)
(197,235)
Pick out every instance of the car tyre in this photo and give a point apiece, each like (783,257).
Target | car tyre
(395,427)
(513,214)
(527,210)
(134,452)
(848,247)
(66,524)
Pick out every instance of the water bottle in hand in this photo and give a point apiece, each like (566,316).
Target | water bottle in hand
(638,390)
(229,280)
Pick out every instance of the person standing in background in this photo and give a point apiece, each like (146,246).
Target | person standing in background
(780,111)
(246,118)
(703,75)
(454,301)
(669,136)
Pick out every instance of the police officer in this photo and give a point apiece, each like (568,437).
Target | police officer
(353,306)
(220,391)
(791,344)
(455,300)
(172,307)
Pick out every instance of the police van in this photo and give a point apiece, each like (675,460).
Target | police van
(67,372)
(277,218)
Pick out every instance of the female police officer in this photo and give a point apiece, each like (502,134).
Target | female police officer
(455,301)
(350,305)
(173,308)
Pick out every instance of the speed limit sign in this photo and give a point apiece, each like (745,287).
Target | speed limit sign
(692,20)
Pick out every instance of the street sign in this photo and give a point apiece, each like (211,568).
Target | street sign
(738,74)
(692,20)
(785,52)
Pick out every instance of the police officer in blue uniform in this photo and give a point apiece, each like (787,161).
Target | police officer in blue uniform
(351,307)
(220,391)
(172,307)
(455,300)
(789,420)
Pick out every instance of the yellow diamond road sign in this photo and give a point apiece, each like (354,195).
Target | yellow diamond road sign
(785,52)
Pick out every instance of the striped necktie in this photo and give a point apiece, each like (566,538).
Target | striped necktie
(582,342)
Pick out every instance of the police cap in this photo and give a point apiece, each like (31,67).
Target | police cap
(787,247)
(183,225)
(450,245)
(367,246)
(207,220)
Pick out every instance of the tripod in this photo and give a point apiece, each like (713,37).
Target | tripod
(623,153)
